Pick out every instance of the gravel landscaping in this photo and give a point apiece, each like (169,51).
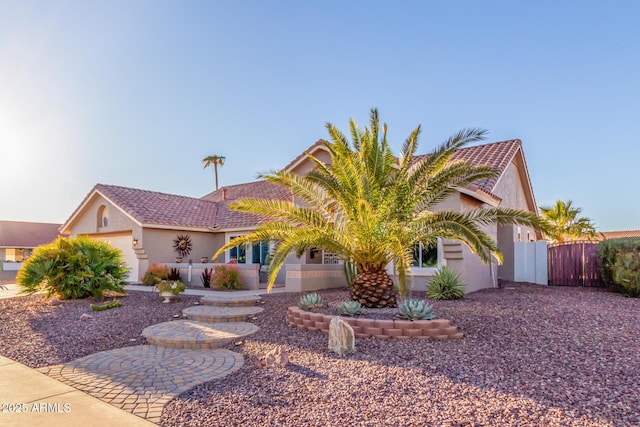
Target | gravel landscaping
(531,355)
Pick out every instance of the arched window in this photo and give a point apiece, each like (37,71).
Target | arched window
(103,217)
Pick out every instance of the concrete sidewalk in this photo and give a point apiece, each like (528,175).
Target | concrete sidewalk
(30,398)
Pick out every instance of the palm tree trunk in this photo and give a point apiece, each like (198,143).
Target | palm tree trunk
(374,289)
(215,168)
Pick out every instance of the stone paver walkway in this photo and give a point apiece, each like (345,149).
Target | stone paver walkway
(213,314)
(197,335)
(181,354)
(142,379)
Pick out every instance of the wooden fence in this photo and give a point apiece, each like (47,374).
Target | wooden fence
(574,264)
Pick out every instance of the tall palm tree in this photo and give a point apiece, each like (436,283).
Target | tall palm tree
(371,208)
(563,223)
(216,161)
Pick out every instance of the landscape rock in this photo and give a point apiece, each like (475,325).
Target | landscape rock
(85,316)
(276,357)
(341,337)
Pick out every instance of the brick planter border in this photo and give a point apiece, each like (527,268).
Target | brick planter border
(383,329)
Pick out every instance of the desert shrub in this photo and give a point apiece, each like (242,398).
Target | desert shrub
(608,251)
(155,274)
(626,273)
(446,285)
(74,268)
(226,276)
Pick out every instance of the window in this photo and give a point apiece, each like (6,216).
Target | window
(238,254)
(260,253)
(103,217)
(425,257)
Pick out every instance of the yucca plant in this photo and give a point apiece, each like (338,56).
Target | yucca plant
(413,309)
(350,308)
(371,208)
(310,301)
(446,285)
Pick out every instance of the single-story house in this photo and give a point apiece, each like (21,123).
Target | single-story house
(18,239)
(144,224)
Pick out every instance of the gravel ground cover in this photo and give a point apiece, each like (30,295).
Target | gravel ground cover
(531,355)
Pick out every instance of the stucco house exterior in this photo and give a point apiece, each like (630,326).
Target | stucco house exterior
(143,224)
(19,238)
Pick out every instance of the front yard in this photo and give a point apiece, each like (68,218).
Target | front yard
(531,355)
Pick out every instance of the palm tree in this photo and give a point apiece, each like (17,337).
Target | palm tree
(371,208)
(215,161)
(563,223)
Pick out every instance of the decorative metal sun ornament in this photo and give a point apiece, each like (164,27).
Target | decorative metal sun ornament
(182,244)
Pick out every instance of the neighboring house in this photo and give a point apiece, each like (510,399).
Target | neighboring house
(604,235)
(18,239)
(143,224)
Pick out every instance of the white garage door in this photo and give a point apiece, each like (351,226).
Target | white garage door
(124,243)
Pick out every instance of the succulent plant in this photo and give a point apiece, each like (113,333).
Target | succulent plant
(350,308)
(312,300)
(446,285)
(413,309)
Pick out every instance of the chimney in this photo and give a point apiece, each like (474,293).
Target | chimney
(224,194)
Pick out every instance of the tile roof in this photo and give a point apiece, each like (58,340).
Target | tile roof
(212,211)
(228,218)
(150,207)
(17,234)
(620,234)
(497,155)
(256,190)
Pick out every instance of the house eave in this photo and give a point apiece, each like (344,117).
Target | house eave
(481,196)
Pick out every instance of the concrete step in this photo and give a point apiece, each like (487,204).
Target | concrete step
(212,314)
(230,300)
(194,335)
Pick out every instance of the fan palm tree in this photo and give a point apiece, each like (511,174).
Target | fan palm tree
(371,208)
(563,223)
(214,161)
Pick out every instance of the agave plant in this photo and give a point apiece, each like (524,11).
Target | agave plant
(413,309)
(446,285)
(350,308)
(312,300)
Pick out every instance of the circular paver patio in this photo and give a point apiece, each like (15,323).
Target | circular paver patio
(142,379)
(192,334)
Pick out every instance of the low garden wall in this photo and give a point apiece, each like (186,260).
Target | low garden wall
(383,329)
(312,277)
(249,273)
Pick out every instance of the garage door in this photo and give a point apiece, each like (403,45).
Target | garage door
(124,243)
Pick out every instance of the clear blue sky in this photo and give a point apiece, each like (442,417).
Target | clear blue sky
(136,93)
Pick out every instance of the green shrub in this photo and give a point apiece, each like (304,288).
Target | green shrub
(155,274)
(175,287)
(608,251)
(626,273)
(106,306)
(74,268)
(226,276)
(446,284)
